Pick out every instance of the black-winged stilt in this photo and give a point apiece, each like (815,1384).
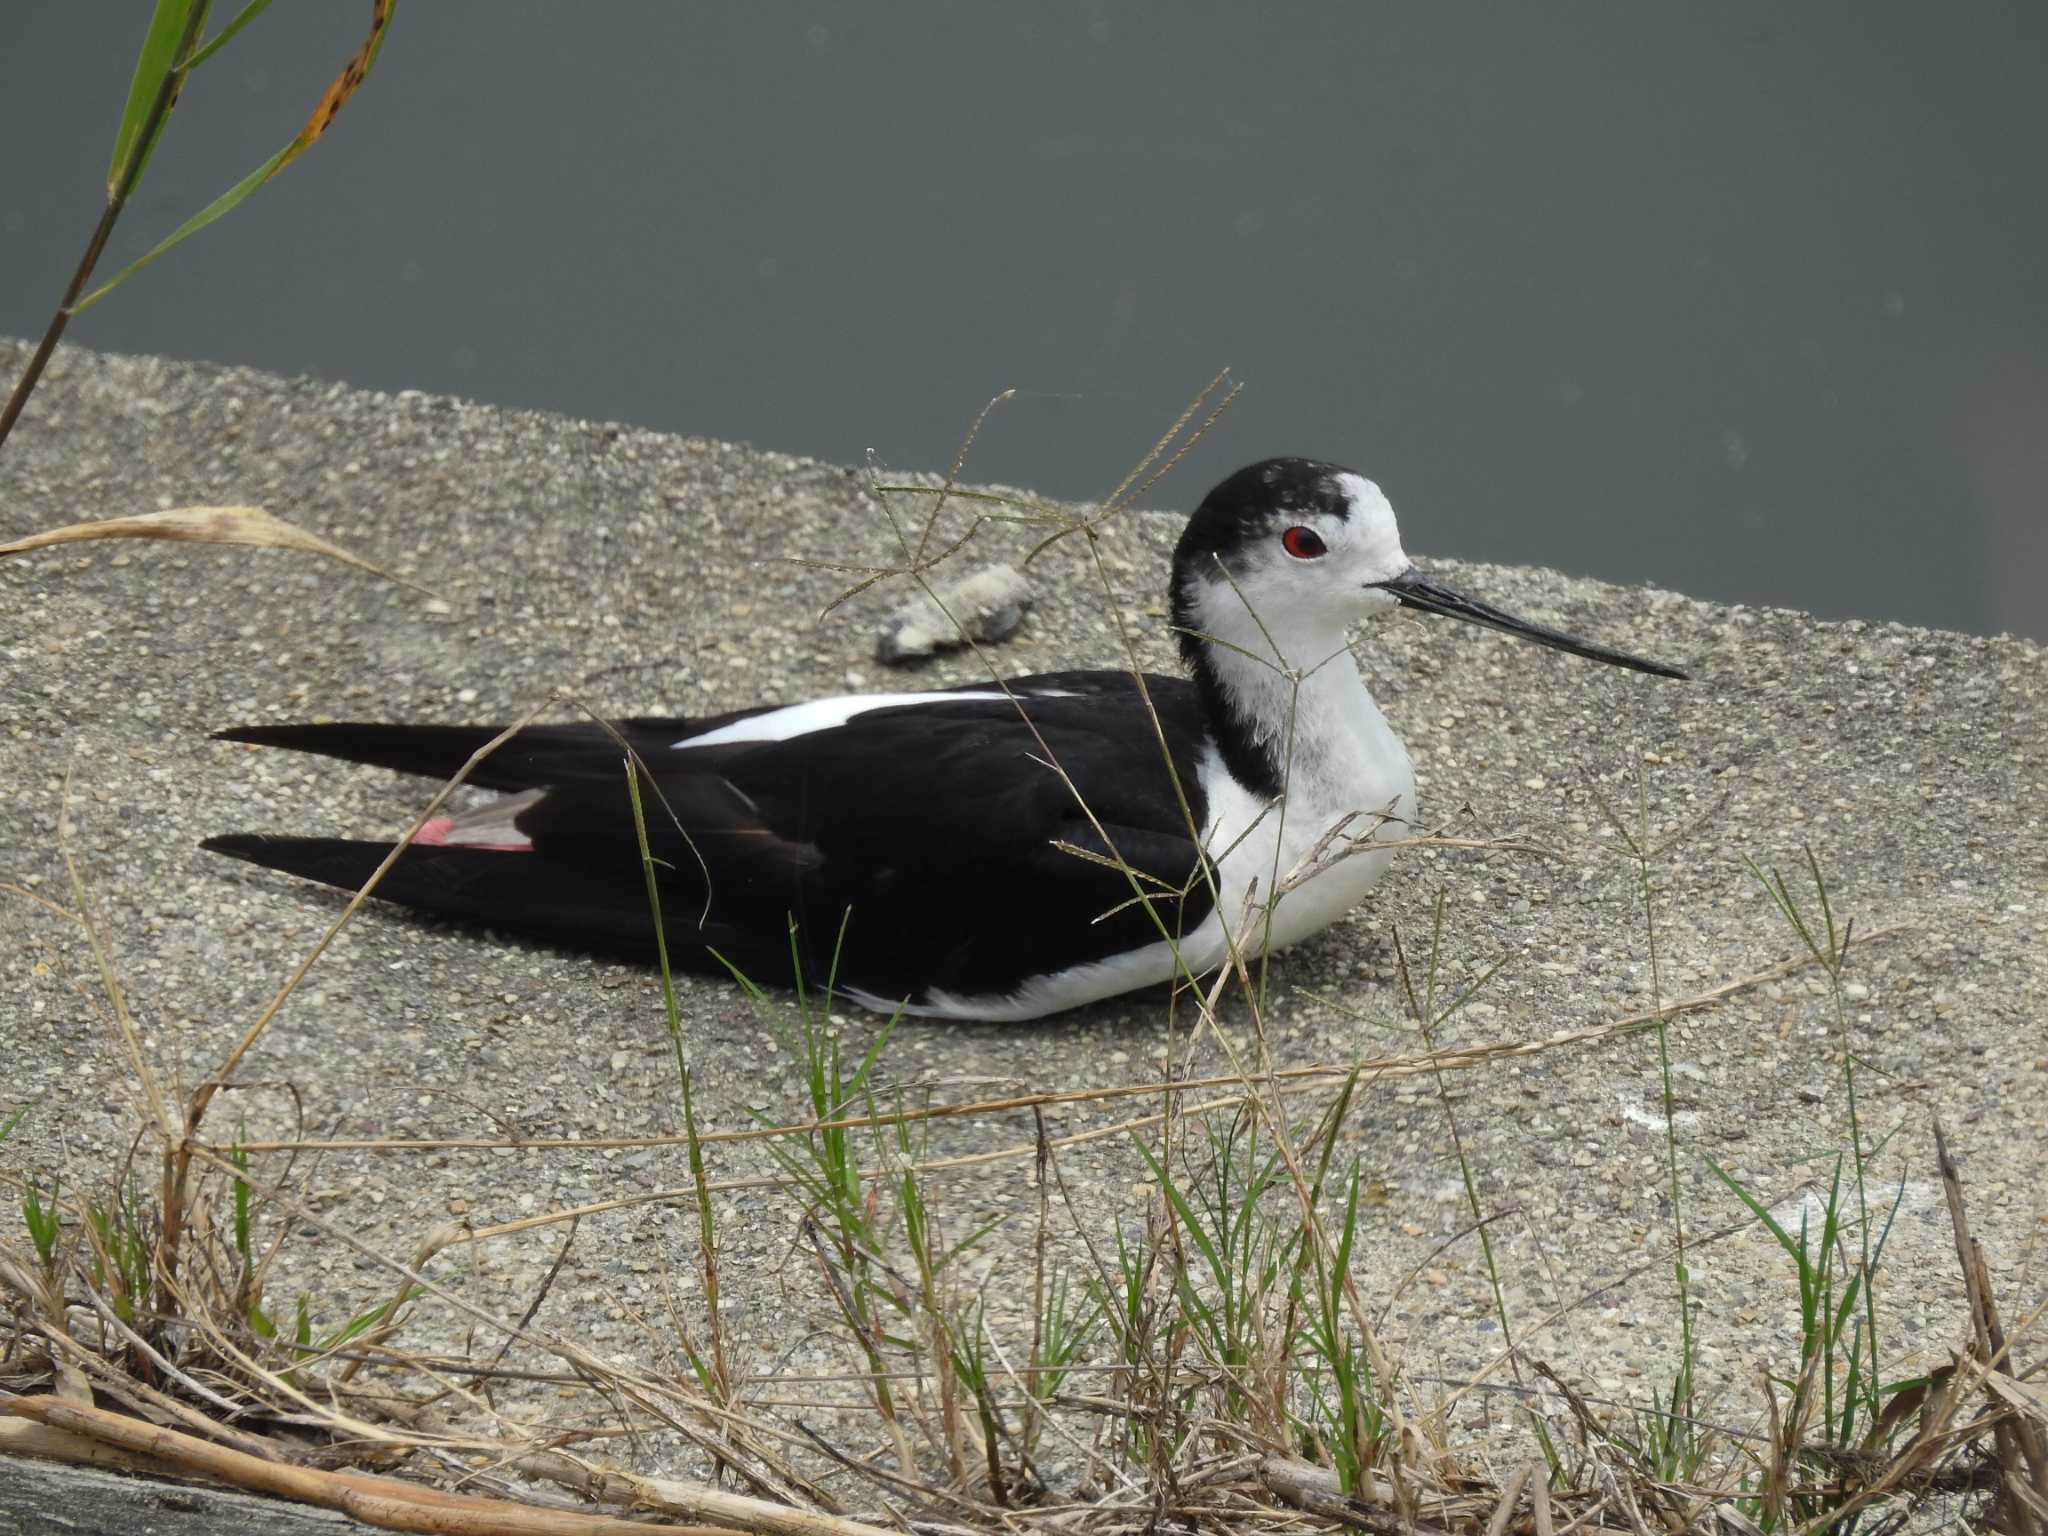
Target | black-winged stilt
(984,845)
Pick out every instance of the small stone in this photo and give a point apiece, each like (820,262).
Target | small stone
(986,607)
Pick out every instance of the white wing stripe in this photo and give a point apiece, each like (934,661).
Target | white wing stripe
(817,715)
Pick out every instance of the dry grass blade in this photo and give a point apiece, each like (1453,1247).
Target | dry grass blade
(1089,856)
(2021,1438)
(110,981)
(380,1501)
(156,1405)
(353,73)
(205,525)
(25,1437)
(1315,1489)
(1509,1497)
(919,559)
(2024,1396)
(1132,485)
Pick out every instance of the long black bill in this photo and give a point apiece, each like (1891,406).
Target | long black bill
(1416,590)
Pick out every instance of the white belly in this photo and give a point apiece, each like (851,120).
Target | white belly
(1281,851)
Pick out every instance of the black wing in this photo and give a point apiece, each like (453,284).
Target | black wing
(931,830)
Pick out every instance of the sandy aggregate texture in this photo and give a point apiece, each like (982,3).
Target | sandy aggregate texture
(643,573)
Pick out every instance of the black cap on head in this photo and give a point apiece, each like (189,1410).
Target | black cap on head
(1246,506)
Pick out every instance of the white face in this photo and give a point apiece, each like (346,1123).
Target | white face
(1368,541)
(1313,573)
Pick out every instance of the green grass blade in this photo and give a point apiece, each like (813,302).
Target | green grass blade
(42,1221)
(1827,907)
(1781,896)
(230,199)
(707,1226)
(356,1326)
(1328,1131)
(1197,1231)
(967,1243)
(13,1121)
(1350,1231)
(330,104)
(248,14)
(1884,1233)
(239,1156)
(159,56)
(858,1083)
(1757,1209)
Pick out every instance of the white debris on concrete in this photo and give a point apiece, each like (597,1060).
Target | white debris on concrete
(986,607)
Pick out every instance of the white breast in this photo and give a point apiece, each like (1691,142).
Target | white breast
(1261,847)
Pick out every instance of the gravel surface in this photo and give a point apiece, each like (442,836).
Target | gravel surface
(626,567)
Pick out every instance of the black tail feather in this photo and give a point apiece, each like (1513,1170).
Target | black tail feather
(432,751)
(539,755)
(567,903)
(548,899)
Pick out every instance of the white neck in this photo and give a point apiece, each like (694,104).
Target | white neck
(1305,710)
(1304,723)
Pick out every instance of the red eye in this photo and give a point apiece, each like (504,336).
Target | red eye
(1303,543)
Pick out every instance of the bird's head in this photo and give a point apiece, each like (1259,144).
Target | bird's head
(1293,551)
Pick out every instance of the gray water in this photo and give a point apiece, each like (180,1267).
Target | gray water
(1746,299)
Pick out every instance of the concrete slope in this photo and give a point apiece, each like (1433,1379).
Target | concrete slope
(643,573)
